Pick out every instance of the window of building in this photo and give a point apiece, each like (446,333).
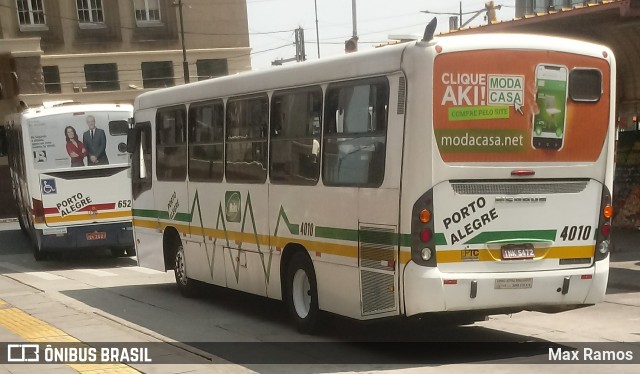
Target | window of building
(206,141)
(101,77)
(51,77)
(295,136)
(147,12)
(31,14)
(355,130)
(211,68)
(171,140)
(246,152)
(157,74)
(90,12)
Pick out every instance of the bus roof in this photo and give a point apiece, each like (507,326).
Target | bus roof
(361,64)
(76,108)
(374,62)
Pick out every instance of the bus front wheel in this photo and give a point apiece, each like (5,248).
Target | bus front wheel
(187,286)
(302,293)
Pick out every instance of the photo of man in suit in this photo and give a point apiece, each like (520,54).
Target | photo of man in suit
(95,141)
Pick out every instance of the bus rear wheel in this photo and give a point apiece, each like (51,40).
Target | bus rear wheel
(38,254)
(187,286)
(302,293)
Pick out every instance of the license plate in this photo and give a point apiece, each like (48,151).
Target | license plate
(96,235)
(518,252)
(513,283)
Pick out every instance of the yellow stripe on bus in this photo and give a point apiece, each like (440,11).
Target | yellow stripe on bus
(88,217)
(234,236)
(442,256)
(456,255)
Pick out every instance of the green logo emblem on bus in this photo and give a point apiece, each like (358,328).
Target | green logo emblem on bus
(232,206)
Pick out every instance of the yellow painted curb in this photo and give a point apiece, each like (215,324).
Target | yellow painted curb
(36,331)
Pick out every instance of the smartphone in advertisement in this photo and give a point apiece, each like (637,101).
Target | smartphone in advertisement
(551,97)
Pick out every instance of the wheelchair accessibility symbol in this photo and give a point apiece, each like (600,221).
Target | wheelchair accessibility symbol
(49,186)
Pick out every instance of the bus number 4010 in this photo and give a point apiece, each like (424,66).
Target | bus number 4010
(576,232)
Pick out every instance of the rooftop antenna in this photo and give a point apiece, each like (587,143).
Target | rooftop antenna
(430,30)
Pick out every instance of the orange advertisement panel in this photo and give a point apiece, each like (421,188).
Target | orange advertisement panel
(520,106)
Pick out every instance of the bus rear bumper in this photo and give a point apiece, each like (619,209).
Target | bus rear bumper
(427,290)
(106,235)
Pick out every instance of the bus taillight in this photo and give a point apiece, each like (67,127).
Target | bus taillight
(425,216)
(604,225)
(426,235)
(605,230)
(422,231)
(38,211)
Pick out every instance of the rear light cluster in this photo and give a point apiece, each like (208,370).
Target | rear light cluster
(422,231)
(603,235)
(38,211)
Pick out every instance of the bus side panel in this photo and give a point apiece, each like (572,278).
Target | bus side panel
(205,258)
(248,266)
(325,225)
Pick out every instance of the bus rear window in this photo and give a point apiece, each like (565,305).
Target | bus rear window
(118,127)
(585,85)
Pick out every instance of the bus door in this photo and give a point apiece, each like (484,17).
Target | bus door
(170,185)
(148,242)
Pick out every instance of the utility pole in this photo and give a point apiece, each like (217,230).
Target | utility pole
(354,37)
(300,51)
(185,63)
(315,2)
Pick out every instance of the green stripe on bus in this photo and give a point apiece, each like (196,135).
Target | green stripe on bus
(144,213)
(406,239)
(338,234)
(377,237)
(440,239)
(514,236)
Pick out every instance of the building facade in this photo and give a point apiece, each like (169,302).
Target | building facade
(112,50)
(529,7)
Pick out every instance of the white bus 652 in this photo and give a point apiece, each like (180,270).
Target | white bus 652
(466,174)
(70,172)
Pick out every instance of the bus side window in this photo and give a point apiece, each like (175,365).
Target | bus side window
(206,141)
(295,136)
(171,150)
(246,151)
(355,133)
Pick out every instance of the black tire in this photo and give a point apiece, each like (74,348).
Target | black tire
(38,254)
(301,293)
(131,251)
(23,227)
(117,252)
(188,287)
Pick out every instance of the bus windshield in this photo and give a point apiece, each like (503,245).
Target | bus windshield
(83,139)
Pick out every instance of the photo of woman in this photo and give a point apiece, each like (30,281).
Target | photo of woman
(75,148)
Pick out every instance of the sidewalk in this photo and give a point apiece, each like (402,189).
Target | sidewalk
(28,315)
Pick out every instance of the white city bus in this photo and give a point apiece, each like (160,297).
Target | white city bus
(72,185)
(459,174)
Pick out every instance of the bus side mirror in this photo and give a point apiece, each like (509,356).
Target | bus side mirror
(133,140)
